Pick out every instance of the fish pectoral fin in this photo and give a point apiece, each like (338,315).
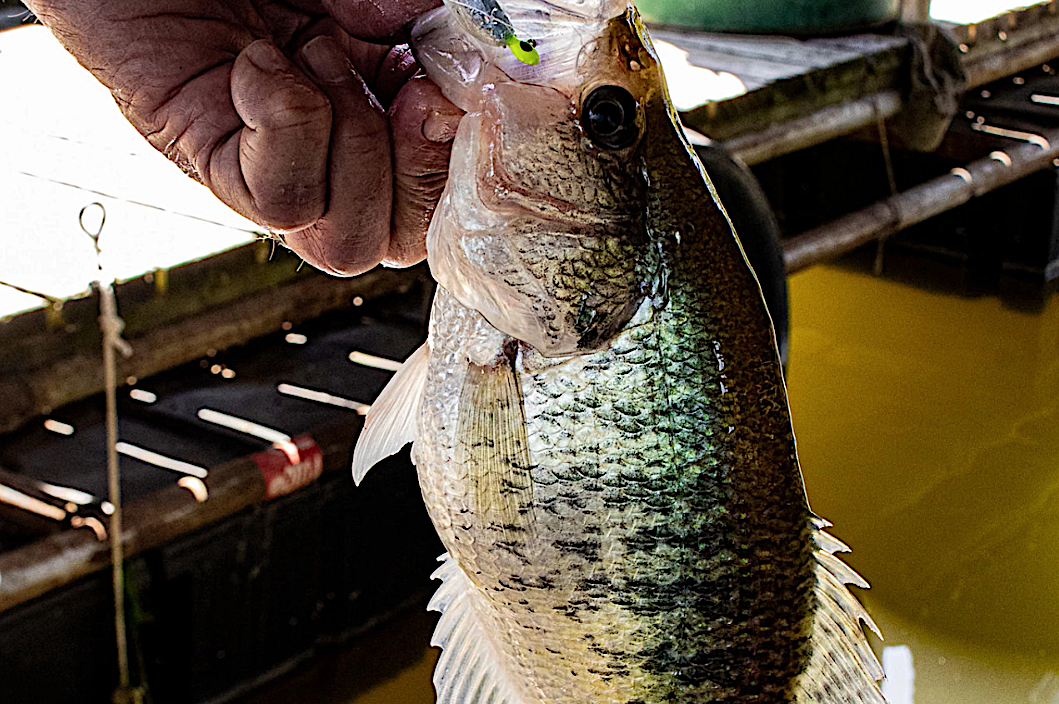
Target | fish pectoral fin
(494,448)
(469,670)
(391,422)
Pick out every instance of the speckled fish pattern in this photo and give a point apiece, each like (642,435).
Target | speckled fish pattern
(625,522)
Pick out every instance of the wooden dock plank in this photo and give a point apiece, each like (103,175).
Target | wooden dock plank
(792,80)
(757,61)
(1010,43)
(754,73)
(798,96)
(786,78)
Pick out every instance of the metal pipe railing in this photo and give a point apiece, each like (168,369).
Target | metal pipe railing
(891,215)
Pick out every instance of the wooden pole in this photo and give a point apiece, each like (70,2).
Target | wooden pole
(1029,49)
(816,128)
(1030,154)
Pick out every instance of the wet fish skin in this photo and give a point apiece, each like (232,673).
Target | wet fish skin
(652,555)
(544,237)
(618,490)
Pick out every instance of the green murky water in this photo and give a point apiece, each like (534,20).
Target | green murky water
(928,427)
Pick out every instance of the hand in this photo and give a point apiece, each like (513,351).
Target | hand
(302,115)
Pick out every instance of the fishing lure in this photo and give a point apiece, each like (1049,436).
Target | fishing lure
(488,21)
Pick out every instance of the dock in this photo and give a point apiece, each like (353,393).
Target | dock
(800,93)
(804,93)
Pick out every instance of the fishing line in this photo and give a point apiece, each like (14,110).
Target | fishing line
(29,292)
(255,233)
(884,142)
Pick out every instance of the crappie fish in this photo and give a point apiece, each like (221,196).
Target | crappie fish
(599,417)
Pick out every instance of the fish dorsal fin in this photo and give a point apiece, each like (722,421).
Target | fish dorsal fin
(469,670)
(842,667)
(495,449)
(391,422)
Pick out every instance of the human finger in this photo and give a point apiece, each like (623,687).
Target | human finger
(379,21)
(423,124)
(353,233)
(274,169)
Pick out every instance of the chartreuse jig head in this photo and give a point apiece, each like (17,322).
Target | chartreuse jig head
(525,50)
(489,22)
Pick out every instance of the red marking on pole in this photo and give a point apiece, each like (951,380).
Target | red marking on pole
(289,465)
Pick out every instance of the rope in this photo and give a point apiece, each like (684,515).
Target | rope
(110,325)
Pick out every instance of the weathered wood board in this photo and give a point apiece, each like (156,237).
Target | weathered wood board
(786,78)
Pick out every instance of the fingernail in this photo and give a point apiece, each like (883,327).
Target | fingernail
(266,56)
(441,126)
(325,60)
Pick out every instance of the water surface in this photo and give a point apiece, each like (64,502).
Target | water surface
(928,429)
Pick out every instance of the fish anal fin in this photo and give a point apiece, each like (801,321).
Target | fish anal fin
(391,422)
(469,670)
(493,447)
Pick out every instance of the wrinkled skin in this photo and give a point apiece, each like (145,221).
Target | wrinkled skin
(304,117)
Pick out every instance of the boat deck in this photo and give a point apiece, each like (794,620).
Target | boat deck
(799,93)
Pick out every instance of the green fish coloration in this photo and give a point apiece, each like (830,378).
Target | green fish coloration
(599,417)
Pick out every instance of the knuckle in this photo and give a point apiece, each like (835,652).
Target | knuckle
(297,106)
(338,253)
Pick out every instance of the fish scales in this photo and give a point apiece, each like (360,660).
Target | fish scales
(679,601)
(599,416)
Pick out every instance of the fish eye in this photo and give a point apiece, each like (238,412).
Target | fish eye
(608,116)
